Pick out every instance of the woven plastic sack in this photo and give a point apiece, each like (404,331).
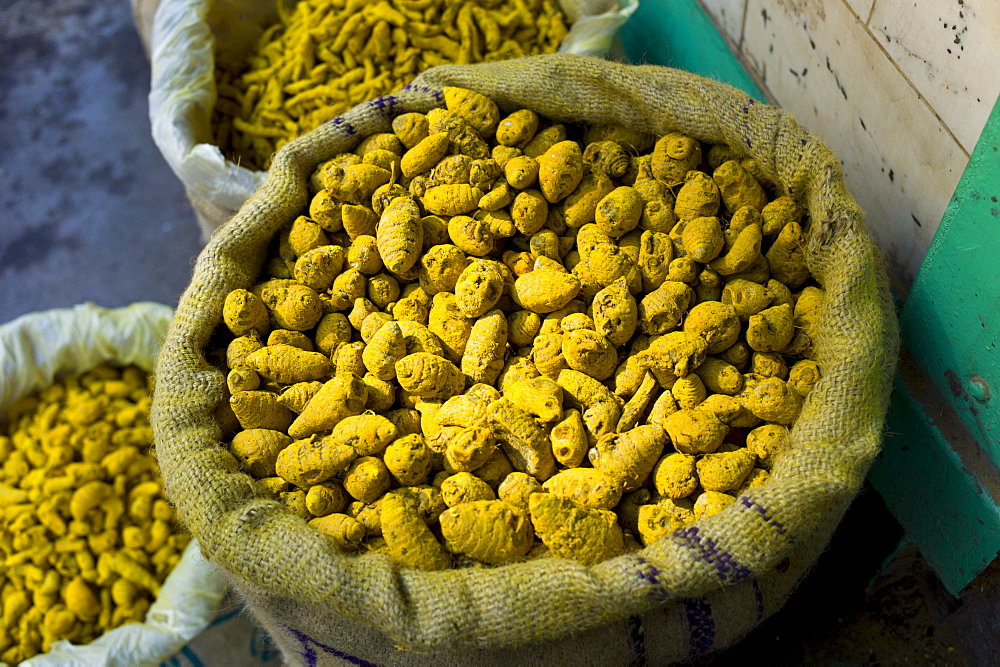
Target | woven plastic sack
(697,590)
(188,35)
(37,348)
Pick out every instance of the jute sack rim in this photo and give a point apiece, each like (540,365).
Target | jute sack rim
(836,437)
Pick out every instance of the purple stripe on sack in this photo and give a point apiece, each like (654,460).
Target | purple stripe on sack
(746,110)
(308,653)
(386,105)
(340,122)
(759,598)
(649,574)
(438,95)
(637,641)
(701,627)
(766,515)
(707,550)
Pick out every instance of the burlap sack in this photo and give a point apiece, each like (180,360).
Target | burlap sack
(186,38)
(697,590)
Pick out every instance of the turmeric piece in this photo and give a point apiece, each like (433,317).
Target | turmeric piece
(244,312)
(766,442)
(655,521)
(452,199)
(589,352)
(619,211)
(429,376)
(694,431)
(541,397)
(367,434)
(384,349)
(786,258)
(346,532)
(260,409)
(366,479)
(570,530)
(410,128)
(738,187)
(545,291)
(719,377)
(288,364)
(599,408)
(312,460)
(717,323)
(675,475)
(711,502)
(478,288)
(522,438)
(770,399)
(517,129)
(698,197)
(400,235)
(771,329)
(529,211)
(629,457)
(258,450)
(588,487)
(662,310)
(464,487)
(560,170)
(724,471)
(803,376)
(516,488)
(486,530)
(606,157)
(294,306)
(408,460)
(409,540)
(340,397)
(674,155)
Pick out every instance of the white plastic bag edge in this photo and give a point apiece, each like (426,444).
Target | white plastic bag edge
(34,350)
(182,94)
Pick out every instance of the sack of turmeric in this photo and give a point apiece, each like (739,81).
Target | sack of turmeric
(691,590)
(94,568)
(232,80)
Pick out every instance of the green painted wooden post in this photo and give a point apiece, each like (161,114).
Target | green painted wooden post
(938,473)
(951,319)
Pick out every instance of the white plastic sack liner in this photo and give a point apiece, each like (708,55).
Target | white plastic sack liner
(182,94)
(34,350)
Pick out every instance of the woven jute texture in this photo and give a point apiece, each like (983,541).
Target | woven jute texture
(695,591)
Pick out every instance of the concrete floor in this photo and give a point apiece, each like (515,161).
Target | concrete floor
(89,211)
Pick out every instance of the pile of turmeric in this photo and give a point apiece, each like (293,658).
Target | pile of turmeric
(86,536)
(492,337)
(323,57)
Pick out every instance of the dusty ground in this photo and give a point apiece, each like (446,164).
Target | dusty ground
(871,601)
(89,211)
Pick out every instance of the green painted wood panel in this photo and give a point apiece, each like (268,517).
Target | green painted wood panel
(951,319)
(938,472)
(925,478)
(678,33)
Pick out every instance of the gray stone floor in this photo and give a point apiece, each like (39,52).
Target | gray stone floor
(89,211)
